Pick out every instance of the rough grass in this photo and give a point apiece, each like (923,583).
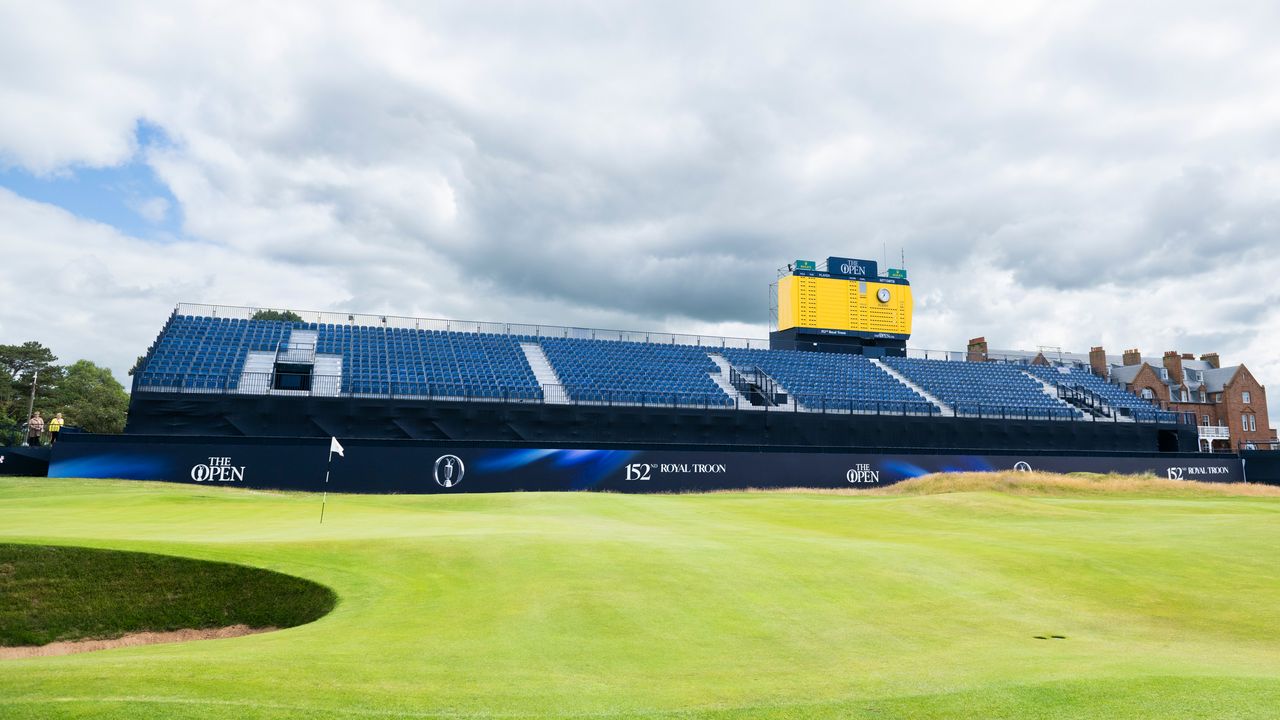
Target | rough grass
(1072,485)
(50,594)
(733,606)
(1044,484)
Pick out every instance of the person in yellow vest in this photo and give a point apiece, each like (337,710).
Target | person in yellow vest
(55,427)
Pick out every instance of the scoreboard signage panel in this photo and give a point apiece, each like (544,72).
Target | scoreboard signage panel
(874,307)
(806,265)
(852,267)
(848,296)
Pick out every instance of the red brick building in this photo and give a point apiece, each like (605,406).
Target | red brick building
(1229,403)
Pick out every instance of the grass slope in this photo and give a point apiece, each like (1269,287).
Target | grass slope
(737,606)
(67,593)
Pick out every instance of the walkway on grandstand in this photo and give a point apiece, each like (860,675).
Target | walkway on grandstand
(944,409)
(548,380)
(721,379)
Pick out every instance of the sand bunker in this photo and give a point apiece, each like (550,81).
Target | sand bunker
(143,638)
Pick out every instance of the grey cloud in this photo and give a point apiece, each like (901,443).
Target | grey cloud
(1055,173)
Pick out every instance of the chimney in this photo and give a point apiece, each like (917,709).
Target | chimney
(978,349)
(1173,363)
(1132,357)
(1188,356)
(1098,361)
(1212,359)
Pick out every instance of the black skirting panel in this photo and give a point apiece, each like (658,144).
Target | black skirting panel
(311,417)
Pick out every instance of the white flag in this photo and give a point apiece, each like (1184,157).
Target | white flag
(335,446)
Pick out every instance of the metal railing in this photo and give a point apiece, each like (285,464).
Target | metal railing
(478,327)
(295,353)
(1213,432)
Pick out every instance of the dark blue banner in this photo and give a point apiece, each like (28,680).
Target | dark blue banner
(853,267)
(24,461)
(381,466)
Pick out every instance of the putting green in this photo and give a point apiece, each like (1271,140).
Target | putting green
(726,606)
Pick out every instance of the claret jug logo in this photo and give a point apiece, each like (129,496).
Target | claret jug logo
(449,470)
(218,469)
(1022,466)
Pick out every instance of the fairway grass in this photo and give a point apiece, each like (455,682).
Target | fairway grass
(730,606)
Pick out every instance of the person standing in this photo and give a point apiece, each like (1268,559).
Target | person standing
(35,426)
(55,427)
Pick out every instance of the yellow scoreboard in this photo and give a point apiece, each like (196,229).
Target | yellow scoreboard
(817,300)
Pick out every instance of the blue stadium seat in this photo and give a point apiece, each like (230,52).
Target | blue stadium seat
(208,354)
(832,381)
(984,388)
(635,373)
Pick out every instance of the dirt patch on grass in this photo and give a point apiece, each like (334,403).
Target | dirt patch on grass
(133,639)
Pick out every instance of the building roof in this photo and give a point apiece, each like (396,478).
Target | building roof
(1217,378)
(1125,373)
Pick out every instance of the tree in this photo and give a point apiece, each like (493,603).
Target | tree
(19,364)
(89,397)
(283,315)
(137,365)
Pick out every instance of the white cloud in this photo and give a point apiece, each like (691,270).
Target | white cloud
(153,209)
(1057,174)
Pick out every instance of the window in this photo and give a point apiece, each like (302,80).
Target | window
(1203,397)
(1186,396)
(1147,394)
(1253,427)
(1204,420)
(1244,397)
(1244,421)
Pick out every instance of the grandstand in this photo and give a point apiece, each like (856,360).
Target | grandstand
(835,380)
(980,388)
(223,350)
(1093,391)
(633,372)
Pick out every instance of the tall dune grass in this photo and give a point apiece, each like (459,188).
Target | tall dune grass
(1053,484)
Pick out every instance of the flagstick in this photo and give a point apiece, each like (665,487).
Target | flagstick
(325,497)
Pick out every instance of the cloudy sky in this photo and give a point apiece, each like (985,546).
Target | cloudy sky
(1057,174)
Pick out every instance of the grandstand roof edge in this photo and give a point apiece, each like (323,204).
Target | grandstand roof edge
(534,329)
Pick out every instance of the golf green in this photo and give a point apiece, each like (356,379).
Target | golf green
(726,606)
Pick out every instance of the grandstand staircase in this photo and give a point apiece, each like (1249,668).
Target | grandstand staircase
(944,409)
(721,379)
(293,368)
(255,376)
(552,389)
(326,378)
(1078,398)
(752,389)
